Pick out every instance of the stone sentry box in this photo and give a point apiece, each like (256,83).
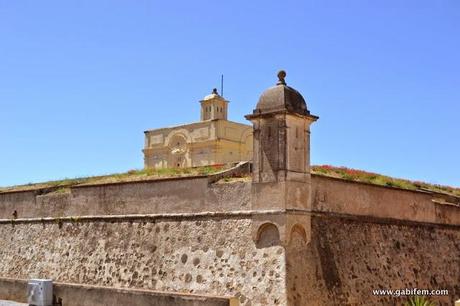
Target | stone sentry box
(281,161)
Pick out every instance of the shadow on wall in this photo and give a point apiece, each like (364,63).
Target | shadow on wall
(267,236)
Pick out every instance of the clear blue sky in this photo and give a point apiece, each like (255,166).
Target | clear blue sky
(81,80)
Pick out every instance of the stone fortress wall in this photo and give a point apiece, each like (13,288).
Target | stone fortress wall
(172,246)
(285,237)
(191,235)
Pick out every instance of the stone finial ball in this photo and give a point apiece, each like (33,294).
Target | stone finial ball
(281,76)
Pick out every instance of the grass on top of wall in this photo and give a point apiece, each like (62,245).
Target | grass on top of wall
(63,185)
(382,180)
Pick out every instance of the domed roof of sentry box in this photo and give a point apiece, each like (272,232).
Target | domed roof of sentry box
(281,98)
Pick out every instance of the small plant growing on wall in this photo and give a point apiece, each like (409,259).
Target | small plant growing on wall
(419,301)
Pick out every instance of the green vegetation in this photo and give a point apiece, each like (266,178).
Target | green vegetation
(62,186)
(419,301)
(382,180)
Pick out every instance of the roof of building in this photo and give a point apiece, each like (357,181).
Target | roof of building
(281,98)
(214,94)
(203,122)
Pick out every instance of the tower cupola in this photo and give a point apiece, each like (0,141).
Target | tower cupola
(281,98)
(213,107)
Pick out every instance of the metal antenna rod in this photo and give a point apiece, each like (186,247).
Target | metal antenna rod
(222,85)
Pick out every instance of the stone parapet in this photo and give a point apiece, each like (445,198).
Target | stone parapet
(201,195)
(338,196)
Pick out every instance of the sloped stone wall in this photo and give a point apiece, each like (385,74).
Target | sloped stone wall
(362,237)
(204,256)
(348,258)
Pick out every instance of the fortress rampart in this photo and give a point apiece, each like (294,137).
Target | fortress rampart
(188,195)
(191,235)
(280,237)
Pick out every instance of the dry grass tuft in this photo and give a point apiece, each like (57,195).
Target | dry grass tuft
(129,176)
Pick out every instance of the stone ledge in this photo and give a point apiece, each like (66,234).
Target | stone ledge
(79,294)
(223,215)
(11,303)
(140,217)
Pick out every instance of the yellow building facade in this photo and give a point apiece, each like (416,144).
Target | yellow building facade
(211,141)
